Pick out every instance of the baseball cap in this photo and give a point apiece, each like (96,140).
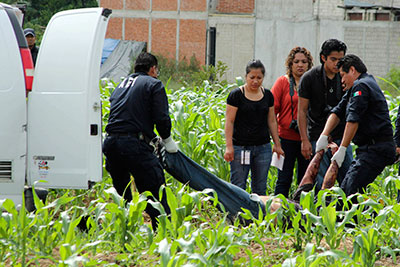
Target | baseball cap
(28,31)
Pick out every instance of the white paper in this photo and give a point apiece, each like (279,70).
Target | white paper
(277,162)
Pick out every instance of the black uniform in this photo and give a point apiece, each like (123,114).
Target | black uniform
(137,104)
(365,104)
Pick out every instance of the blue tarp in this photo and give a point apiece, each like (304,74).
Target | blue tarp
(108,48)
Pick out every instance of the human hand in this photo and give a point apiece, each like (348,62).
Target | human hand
(229,154)
(279,151)
(322,143)
(339,155)
(170,145)
(306,149)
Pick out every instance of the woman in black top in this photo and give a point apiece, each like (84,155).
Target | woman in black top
(250,119)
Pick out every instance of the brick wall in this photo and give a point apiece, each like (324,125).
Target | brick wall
(133,19)
(193,5)
(329,9)
(165,5)
(235,6)
(135,4)
(192,39)
(137,29)
(163,37)
(375,43)
(112,4)
(114,28)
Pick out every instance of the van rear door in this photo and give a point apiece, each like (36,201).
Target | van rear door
(12,107)
(64,108)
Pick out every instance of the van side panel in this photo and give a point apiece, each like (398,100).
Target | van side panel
(12,114)
(64,106)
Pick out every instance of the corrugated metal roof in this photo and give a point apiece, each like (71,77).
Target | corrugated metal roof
(354,3)
(395,4)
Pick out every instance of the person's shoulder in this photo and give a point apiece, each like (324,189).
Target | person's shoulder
(314,71)
(282,79)
(267,91)
(235,91)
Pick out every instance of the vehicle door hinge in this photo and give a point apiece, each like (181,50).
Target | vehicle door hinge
(96,106)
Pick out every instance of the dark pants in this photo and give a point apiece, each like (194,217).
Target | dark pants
(369,163)
(126,156)
(292,151)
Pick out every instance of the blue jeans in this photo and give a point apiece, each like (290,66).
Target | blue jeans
(326,161)
(292,153)
(231,197)
(260,160)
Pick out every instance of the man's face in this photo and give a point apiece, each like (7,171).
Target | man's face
(348,78)
(30,39)
(331,60)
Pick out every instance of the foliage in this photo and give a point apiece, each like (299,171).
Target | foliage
(115,233)
(189,73)
(391,82)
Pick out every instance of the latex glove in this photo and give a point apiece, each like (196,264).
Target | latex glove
(339,155)
(170,145)
(322,143)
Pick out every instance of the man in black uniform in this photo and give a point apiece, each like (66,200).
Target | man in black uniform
(365,111)
(319,91)
(137,105)
(30,37)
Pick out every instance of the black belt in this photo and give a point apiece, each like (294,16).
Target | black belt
(376,140)
(139,135)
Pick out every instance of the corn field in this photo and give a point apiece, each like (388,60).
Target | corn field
(197,233)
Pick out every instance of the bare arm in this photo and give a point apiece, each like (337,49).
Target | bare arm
(331,123)
(230,116)
(302,110)
(273,128)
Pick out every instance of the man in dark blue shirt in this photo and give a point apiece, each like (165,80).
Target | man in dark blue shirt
(368,125)
(137,105)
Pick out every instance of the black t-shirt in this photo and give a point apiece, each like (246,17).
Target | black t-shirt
(251,121)
(316,88)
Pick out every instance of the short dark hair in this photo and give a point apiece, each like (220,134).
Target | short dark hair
(331,45)
(351,60)
(255,64)
(144,62)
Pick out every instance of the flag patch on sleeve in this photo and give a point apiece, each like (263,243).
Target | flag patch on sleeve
(358,93)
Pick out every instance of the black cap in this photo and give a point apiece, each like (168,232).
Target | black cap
(30,31)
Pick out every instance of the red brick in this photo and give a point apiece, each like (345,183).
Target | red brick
(193,5)
(137,4)
(165,5)
(114,28)
(235,6)
(137,29)
(192,39)
(163,37)
(112,4)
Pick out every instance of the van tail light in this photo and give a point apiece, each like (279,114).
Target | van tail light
(27,63)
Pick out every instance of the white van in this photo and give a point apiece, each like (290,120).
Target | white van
(51,139)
